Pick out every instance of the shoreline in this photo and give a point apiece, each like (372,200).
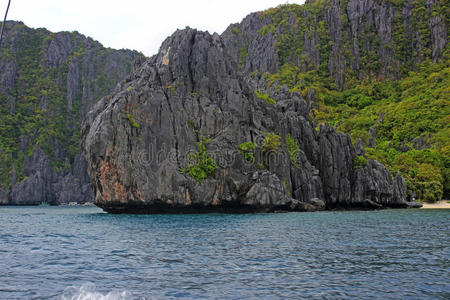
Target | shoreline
(443,204)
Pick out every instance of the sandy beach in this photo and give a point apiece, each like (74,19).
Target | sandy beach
(439,204)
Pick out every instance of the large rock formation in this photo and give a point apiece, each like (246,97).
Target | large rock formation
(48,82)
(138,142)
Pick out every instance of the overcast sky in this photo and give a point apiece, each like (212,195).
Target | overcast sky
(135,24)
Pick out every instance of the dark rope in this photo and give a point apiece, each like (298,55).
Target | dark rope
(4,20)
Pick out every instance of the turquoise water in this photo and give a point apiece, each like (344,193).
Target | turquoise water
(56,253)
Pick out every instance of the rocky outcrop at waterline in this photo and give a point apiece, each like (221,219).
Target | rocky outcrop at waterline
(189,132)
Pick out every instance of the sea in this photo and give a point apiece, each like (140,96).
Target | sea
(84,253)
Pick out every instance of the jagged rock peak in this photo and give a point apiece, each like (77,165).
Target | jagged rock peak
(195,59)
(253,151)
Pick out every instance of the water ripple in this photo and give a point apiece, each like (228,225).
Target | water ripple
(51,253)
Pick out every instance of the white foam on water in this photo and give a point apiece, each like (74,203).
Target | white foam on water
(88,291)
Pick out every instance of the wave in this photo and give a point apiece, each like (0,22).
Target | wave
(88,291)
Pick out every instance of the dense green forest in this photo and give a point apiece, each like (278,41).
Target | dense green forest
(398,107)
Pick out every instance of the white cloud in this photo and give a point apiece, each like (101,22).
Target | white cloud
(134,24)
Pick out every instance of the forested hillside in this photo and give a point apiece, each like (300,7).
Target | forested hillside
(378,70)
(48,82)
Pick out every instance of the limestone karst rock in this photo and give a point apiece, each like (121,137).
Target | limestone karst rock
(137,142)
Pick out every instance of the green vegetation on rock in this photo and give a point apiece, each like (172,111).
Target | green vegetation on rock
(293,150)
(271,143)
(132,121)
(360,161)
(191,124)
(265,97)
(203,165)
(246,150)
(243,53)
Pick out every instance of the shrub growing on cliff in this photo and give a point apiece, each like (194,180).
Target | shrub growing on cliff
(203,164)
(191,124)
(360,161)
(265,97)
(246,150)
(266,29)
(132,121)
(293,150)
(243,53)
(272,142)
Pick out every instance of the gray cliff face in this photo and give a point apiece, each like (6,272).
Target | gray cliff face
(367,38)
(336,65)
(62,75)
(438,30)
(44,183)
(252,50)
(137,142)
